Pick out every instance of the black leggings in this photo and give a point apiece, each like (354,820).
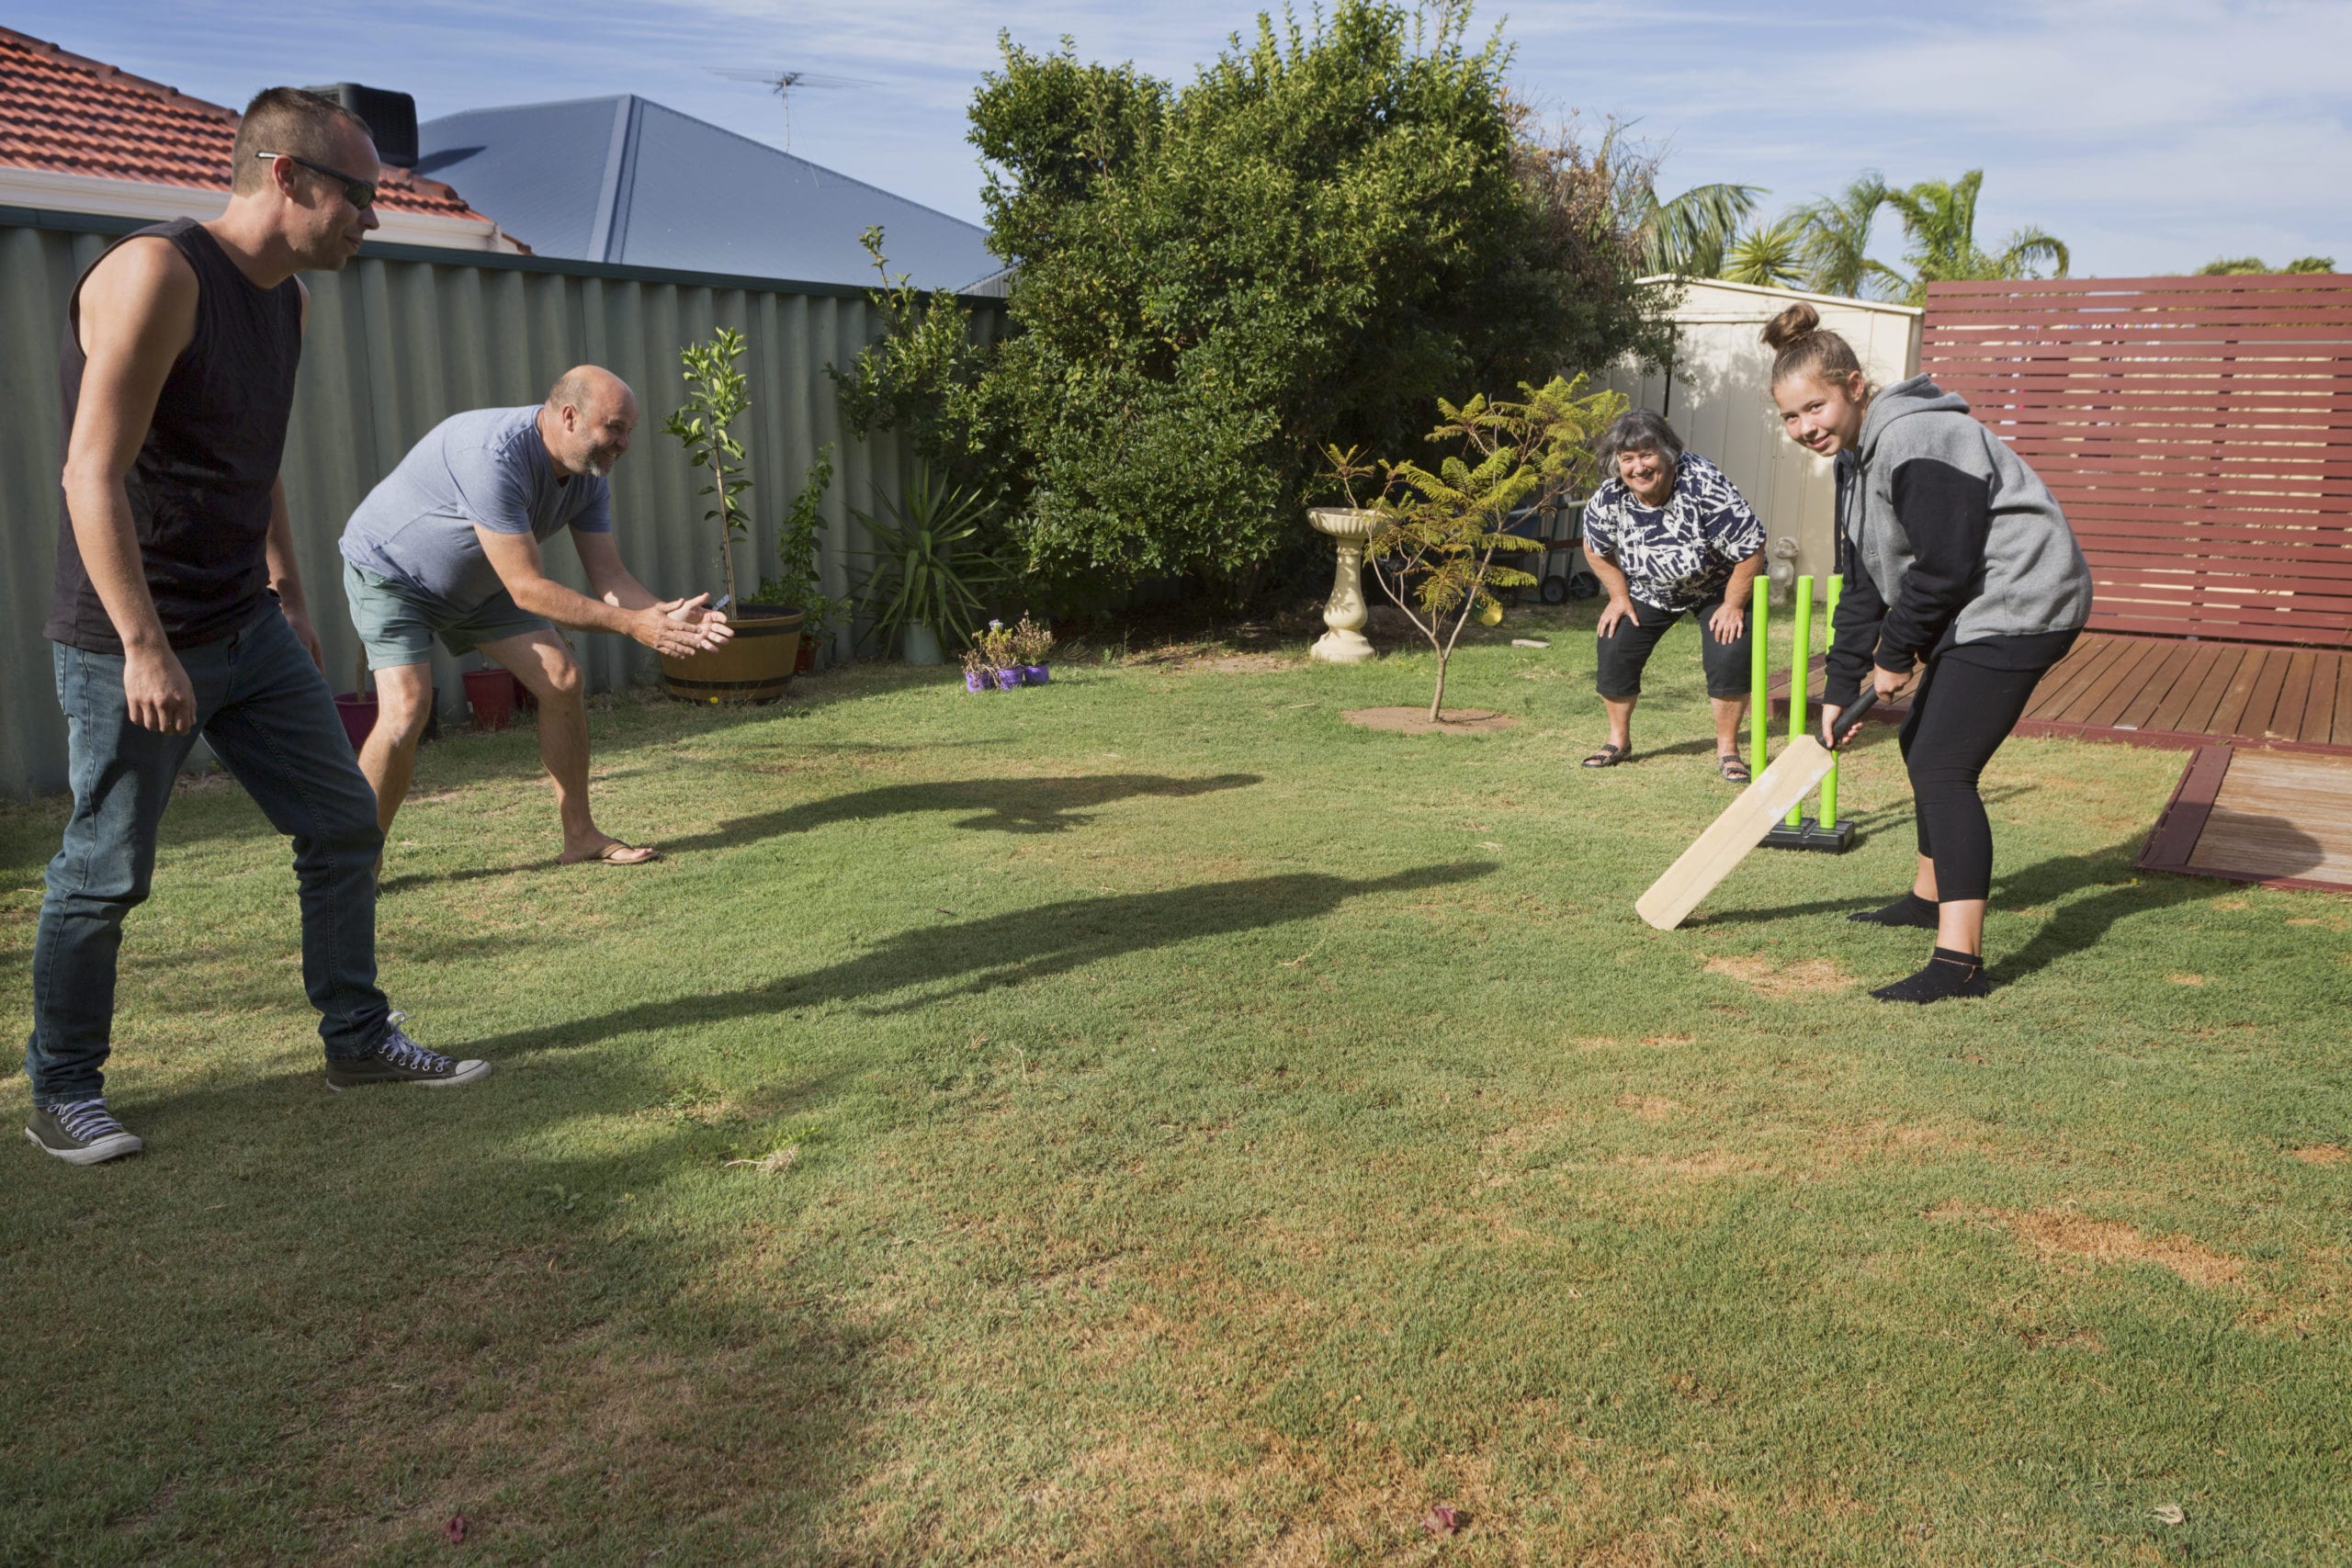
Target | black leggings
(1968,701)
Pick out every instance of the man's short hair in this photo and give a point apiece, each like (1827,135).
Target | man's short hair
(572,386)
(286,120)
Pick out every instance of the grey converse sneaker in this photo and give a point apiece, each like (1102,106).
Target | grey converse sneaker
(398,1059)
(81,1133)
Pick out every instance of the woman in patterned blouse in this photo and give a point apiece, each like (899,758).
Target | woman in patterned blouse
(1668,535)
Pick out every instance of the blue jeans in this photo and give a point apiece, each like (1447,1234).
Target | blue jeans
(268,715)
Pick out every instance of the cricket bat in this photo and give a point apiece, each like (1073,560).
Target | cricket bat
(1740,829)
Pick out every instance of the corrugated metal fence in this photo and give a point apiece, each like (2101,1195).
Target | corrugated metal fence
(401,339)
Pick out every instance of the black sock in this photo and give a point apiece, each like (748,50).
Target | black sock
(1908,911)
(1948,974)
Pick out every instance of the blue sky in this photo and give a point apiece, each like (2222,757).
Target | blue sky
(2151,135)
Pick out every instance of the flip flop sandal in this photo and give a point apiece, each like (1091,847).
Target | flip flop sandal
(610,855)
(1610,756)
(1734,770)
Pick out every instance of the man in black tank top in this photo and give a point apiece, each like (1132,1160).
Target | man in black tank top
(178,608)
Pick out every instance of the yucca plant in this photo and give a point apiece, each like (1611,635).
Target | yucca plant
(929,558)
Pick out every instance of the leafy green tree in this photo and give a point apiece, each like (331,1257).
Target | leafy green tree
(1447,524)
(1305,243)
(921,374)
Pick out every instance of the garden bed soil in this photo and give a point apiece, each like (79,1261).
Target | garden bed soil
(1416,720)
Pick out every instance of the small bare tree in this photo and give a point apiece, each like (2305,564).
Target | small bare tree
(1437,559)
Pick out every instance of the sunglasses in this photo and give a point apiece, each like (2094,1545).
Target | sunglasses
(361,193)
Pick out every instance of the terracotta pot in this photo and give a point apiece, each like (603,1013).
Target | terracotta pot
(752,666)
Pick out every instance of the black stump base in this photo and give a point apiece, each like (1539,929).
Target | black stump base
(1809,834)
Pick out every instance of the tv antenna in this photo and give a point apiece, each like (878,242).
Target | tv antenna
(785,84)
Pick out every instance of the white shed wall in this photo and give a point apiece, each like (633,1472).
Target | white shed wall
(1718,397)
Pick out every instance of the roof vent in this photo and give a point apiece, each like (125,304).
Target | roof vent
(391,117)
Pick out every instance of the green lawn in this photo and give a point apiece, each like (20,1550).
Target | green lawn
(1150,1121)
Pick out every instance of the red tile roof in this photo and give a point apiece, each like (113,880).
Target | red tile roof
(71,116)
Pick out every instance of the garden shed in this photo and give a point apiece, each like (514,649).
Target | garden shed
(1717,393)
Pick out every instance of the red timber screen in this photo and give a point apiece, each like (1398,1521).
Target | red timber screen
(2197,430)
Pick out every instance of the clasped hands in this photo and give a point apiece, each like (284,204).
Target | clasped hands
(682,628)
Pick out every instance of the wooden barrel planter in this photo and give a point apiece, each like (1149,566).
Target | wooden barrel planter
(753,666)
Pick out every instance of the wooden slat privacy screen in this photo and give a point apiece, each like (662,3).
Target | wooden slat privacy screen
(2197,430)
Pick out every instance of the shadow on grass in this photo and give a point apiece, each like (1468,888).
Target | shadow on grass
(1005,806)
(2086,894)
(553,1275)
(934,963)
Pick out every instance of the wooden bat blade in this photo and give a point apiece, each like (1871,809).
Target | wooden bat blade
(1740,829)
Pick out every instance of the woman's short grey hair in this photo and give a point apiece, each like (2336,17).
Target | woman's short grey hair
(1636,430)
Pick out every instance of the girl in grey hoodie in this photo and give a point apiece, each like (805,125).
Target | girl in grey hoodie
(1956,559)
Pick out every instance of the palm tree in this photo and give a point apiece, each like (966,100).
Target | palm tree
(1940,219)
(1770,257)
(1837,239)
(1690,233)
(1687,234)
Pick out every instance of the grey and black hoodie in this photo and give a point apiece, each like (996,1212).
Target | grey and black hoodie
(1950,539)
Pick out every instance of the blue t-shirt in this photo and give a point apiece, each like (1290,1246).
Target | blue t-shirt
(488,468)
(1677,555)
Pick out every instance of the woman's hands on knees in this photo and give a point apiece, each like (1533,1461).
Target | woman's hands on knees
(1616,610)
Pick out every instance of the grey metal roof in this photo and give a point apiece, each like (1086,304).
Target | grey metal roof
(627,180)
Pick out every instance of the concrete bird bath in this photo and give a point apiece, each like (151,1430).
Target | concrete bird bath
(1343,613)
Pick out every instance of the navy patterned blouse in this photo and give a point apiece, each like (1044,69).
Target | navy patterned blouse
(1677,555)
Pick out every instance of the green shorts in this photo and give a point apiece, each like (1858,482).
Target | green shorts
(397,624)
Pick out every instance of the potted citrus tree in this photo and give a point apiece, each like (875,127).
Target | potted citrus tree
(756,663)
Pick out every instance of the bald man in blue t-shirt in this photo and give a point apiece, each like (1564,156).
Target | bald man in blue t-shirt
(448,547)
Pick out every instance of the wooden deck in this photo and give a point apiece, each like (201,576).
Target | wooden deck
(2180,693)
(2283,820)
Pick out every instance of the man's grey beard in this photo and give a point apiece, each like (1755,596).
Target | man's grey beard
(600,463)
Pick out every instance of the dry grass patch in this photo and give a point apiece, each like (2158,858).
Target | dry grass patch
(1652,1108)
(1772,979)
(640,1411)
(1711,1166)
(2059,1233)
(2321,1153)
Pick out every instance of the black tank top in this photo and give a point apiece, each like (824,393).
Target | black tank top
(200,487)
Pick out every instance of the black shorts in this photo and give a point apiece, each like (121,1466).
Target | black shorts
(1626,649)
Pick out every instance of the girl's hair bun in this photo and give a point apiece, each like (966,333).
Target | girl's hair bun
(1783,330)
